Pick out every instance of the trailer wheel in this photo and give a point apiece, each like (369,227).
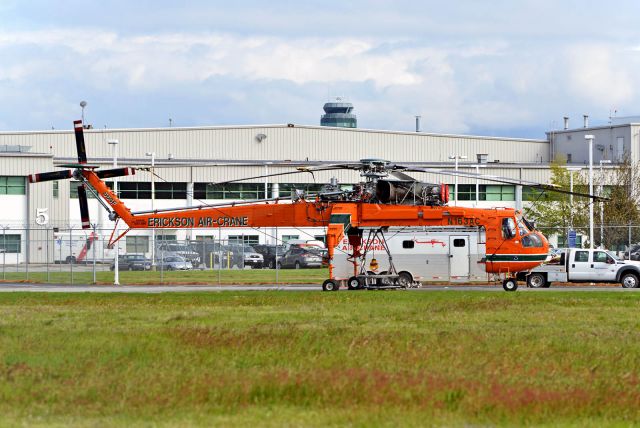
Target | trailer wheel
(354,283)
(71,259)
(330,285)
(629,280)
(536,280)
(404,279)
(510,284)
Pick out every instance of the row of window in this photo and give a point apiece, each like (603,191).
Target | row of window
(10,185)
(10,244)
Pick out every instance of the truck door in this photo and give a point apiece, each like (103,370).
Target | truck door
(604,266)
(580,266)
(458,256)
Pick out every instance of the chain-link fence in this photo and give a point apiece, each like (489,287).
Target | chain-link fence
(616,238)
(75,256)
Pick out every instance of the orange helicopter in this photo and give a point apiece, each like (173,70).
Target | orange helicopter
(386,197)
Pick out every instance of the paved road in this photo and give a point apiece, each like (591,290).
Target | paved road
(63,288)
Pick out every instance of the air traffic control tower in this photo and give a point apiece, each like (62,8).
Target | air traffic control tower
(339,114)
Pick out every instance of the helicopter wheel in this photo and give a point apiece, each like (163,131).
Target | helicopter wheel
(330,285)
(354,283)
(510,284)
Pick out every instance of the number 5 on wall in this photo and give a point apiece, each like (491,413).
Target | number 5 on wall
(42,217)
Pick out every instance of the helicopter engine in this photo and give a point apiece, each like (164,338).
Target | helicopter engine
(411,193)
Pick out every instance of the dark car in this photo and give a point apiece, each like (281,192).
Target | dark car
(297,258)
(132,262)
(269,254)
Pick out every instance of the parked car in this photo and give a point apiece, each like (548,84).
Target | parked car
(174,263)
(635,253)
(132,262)
(169,249)
(297,258)
(269,254)
(246,256)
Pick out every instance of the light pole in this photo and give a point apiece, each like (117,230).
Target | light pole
(589,138)
(482,160)
(116,267)
(153,199)
(571,170)
(602,162)
(455,190)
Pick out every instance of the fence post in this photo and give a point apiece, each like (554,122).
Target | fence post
(47,233)
(70,253)
(93,244)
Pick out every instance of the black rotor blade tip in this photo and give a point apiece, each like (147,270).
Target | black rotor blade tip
(82,152)
(84,207)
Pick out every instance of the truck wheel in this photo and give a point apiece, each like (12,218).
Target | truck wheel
(404,279)
(629,280)
(354,283)
(510,284)
(330,285)
(536,280)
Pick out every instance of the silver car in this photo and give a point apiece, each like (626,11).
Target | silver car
(174,263)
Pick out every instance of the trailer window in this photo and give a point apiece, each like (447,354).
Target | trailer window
(408,244)
(459,242)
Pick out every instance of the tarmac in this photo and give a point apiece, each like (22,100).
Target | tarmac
(154,289)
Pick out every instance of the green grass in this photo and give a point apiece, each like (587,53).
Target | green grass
(320,359)
(253,276)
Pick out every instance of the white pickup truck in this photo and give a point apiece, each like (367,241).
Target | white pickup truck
(584,265)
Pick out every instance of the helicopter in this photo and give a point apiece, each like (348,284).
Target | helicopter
(385,197)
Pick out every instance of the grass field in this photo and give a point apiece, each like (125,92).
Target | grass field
(320,359)
(237,276)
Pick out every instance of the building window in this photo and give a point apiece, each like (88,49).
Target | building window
(73,190)
(321,238)
(287,238)
(569,160)
(137,244)
(286,188)
(408,244)
(246,239)
(10,244)
(230,191)
(134,190)
(171,190)
(12,186)
(165,237)
(466,192)
(56,189)
(491,192)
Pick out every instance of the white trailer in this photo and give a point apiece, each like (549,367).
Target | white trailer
(419,254)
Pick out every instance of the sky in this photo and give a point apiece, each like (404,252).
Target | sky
(495,67)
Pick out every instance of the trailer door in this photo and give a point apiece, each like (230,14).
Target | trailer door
(458,256)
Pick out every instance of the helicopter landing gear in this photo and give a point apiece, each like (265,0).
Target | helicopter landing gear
(330,285)
(510,284)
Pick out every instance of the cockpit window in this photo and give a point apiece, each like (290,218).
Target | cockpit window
(531,240)
(508,228)
(522,227)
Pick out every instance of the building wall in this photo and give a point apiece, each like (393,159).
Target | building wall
(571,145)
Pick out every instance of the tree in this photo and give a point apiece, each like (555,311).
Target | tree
(621,210)
(554,213)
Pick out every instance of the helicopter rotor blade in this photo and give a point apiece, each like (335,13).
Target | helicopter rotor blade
(79,131)
(115,172)
(50,176)
(84,207)
(506,180)
(299,171)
